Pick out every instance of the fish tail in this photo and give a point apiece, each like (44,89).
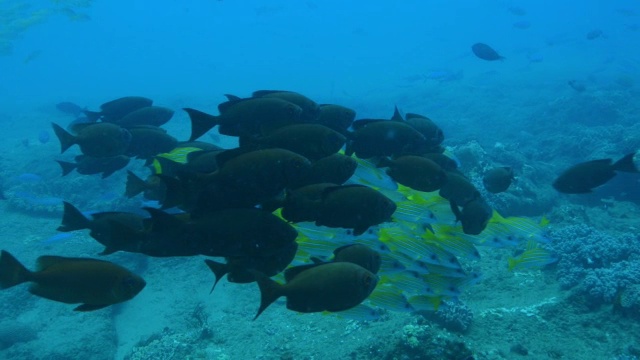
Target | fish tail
(626,164)
(270,291)
(67,167)
(12,272)
(513,263)
(135,185)
(66,139)
(201,122)
(219,270)
(73,219)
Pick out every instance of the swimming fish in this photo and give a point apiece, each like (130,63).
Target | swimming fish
(96,139)
(584,177)
(94,284)
(329,287)
(114,110)
(498,179)
(485,52)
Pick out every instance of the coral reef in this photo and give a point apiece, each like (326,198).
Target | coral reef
(598,265)
(453,315)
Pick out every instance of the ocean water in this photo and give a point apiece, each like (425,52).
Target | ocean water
(566,92)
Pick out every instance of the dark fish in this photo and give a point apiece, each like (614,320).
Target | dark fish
(245,117)
(356,207)
(304,203)
(594,34)
(445,162)
(336,117)
(312,141)
(198,162)
(241,269)
(94,284)
(87,165)
(425,126)
(336,168)
(149,141)
(373,138)
(458,189)
(577,85)
(101,225)
(485,52)
(70,108)
(416,172)
(149,115)
(474,217)
(227,233)
(76,125)
(115,110)
(97,140)
(498,179)
(255,176)
(584,177)
(329,287)
(358,254)
(310,109)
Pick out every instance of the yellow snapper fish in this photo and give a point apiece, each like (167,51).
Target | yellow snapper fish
(391,298)
(448,237)
(178,155)
(533,257)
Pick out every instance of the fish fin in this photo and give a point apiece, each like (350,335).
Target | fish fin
(316,260)
(219,270)
(66,139)
(292,272)
(270,291)
(261,93)
(12,272)
(456,210)
(513,263)
(90,307)
(66,166)
(93,116)
(626,164)
(201,122)
(135,185)
(73,219)
(396,114)
(164,222)
(359,230)
(231,97)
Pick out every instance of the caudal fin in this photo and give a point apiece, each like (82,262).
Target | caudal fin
(66,139)
(12,272)
(270,291)
(73,219)
(200,122)
(135,185)
(67,167)
(219,270)
(626,164)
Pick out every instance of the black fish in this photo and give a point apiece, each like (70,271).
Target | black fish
(115,110)
(94,284)
(583,177)
(485,52)
(88,165)
(498,179)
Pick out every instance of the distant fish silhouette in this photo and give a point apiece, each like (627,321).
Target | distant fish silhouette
(485,52)
(69,108)
(594,34)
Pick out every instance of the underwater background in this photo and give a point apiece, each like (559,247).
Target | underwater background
(566,92)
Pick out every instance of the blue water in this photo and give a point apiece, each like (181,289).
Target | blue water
(369,56)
